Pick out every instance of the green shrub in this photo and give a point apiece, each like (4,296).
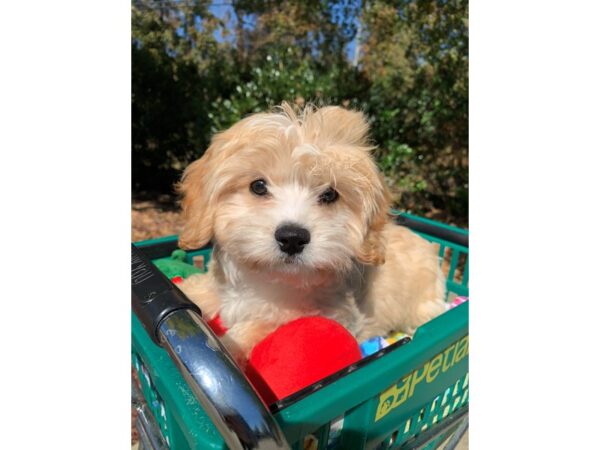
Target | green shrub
(195,74)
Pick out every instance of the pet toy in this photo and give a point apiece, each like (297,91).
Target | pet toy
(175,266)
(374,344)
(298,354)
(457,301)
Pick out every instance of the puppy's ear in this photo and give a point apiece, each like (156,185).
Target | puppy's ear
(372,250)
(197,205)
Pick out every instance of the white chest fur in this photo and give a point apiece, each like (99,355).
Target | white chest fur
(278,297)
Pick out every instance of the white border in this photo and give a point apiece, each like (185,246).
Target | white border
(534,224)
(65,183)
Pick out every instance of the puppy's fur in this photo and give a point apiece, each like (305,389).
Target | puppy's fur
(371,276)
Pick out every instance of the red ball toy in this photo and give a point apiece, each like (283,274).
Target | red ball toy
(299,354)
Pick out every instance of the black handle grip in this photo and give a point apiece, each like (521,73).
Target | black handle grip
(433,230)
(153,296)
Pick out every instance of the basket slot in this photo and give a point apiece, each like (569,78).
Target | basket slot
(459,275)
(418,421)
(323,436)
(320,439)
(426,416)
(153,399)
(433,437)
(453,265)
(450,400)
(454,398)
(403,432)
(432,445)
(388,442)
(356,425)
(465,277)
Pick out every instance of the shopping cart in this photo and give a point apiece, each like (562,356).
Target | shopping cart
(189,393)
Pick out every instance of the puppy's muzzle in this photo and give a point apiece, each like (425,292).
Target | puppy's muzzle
(292,238)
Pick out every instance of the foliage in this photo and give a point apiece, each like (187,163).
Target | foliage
(196,72)
(419,101)
(177,66)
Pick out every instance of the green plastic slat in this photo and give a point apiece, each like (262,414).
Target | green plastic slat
(442,251)
(457,288)
(160,240)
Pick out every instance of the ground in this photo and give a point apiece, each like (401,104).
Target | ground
(152,218)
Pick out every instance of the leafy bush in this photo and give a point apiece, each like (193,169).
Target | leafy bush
(195,73)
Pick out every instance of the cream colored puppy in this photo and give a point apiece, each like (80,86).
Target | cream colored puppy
(297,212)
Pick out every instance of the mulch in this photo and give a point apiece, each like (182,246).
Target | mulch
(152,218)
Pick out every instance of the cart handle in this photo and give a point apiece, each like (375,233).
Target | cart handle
(175,323)
(434,229)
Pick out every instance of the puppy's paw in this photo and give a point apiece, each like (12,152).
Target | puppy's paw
(425,312)
(370,328)
(241,338)
(199,289)
(237,352)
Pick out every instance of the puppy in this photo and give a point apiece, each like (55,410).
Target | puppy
(298,215)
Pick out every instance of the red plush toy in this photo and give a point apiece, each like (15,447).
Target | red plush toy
(298,354)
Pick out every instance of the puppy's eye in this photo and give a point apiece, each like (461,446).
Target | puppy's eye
(259,187)
(329,196)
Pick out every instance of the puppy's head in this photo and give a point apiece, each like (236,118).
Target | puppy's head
(287,193)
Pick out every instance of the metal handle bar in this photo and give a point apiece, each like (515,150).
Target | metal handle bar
(226,395)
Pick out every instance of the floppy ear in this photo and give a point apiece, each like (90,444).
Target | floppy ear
(198,209)
(372,250)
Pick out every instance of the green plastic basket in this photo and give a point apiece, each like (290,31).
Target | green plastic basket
(409,396)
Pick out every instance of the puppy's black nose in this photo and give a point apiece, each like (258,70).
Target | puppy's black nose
(292,238)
